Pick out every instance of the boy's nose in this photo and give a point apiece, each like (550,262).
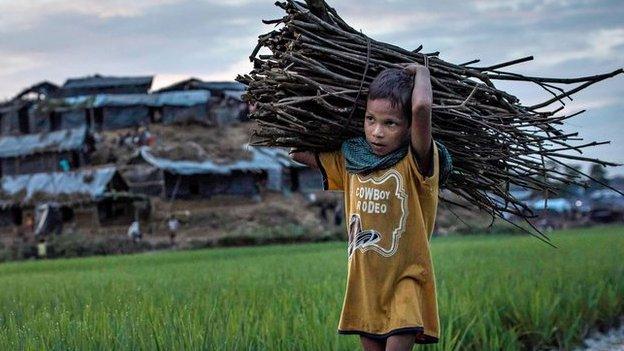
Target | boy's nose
(378,132)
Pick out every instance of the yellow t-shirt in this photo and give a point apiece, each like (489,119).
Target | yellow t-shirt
(390,215)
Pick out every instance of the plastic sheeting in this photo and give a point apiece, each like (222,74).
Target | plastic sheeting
(234,94)
(113,100)
(279,155)
(182,98)
(259,162)
(91,182)
(172,98)
(104,81)
(62,140)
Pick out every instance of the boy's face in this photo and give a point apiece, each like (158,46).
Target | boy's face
(385,127)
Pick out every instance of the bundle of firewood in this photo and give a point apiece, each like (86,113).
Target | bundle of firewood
(310,89)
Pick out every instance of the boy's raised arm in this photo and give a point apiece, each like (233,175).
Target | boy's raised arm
(420,133)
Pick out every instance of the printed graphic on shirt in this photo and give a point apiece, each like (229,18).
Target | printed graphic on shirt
(360,238)
(378,213)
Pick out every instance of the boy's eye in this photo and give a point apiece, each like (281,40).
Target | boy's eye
(369,118)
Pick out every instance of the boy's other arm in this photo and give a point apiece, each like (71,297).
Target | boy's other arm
(308,158)
(420,133)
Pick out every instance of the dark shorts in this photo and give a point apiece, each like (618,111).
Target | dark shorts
(421,338)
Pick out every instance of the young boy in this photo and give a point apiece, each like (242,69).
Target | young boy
(390,184)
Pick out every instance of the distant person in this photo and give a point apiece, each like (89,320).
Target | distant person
(64,165)
(173,224)
(134,232)
(29,224)
(42,249)
(144,136)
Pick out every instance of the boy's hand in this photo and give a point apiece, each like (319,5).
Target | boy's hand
(413,68)
(307,158)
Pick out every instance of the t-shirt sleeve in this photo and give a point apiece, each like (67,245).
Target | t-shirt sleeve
(333,169)
(428,180)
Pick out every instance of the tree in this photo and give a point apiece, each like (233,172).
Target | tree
(599,173)
(572,174)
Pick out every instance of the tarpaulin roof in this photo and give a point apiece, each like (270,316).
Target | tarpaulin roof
(259,162)
(222,85)
(279,155)
(111,100)
(558,205)
(98,81)
(62,140)
(234,94)
(63,104)
(89,184)
(182,98)
(194,84)
(174,98)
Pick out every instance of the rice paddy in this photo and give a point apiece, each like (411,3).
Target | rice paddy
(494,292)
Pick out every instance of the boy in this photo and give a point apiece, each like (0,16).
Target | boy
(390,184)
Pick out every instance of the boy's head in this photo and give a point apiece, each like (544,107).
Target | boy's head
(388,111)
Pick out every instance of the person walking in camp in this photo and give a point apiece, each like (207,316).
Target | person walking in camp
(173,224)
(42,248)
(390,180)
(134,231)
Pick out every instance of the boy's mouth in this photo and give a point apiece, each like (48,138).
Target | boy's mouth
(377,147)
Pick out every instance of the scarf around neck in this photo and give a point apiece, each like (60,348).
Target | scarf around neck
(361,159)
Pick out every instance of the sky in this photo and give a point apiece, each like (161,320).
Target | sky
(176,39)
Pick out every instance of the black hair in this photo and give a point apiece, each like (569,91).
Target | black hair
(396,85)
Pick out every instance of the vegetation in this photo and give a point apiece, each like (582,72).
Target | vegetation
(494,292)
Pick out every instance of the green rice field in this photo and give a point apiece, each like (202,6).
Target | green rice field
(494,293)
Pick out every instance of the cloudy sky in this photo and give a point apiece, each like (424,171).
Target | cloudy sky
(175,39)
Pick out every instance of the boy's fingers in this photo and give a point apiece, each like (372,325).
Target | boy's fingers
(412,68)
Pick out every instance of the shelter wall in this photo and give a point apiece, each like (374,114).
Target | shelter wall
(9,123)
(69,119)
(173,114)
(309,180)
(37,163)
(124,117)
(208,185)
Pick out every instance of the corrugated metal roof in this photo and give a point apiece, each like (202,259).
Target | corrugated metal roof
(85,183)
(62,140)
(99,81)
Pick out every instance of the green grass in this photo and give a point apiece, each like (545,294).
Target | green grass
(496,292)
